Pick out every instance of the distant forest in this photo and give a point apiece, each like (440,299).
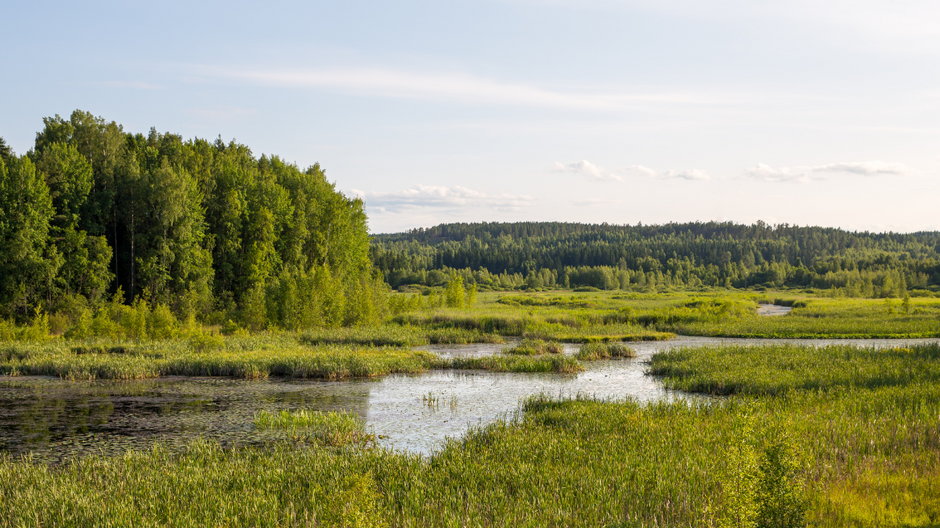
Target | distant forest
(94,215)
(533,255)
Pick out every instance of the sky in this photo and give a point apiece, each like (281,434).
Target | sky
(787,111)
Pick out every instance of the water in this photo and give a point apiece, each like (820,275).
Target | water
(54,419)
(773,310)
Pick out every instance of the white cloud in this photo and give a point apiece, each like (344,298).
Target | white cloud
(587,169)
(594,172)
(641,170)
(688,174)
(441,197)
(818,172)
(454,87)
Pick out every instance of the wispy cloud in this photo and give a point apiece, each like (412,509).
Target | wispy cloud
(591,171)
(453,87)
(818,172)
(441,197)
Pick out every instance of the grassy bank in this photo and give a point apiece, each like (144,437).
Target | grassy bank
(583,317)
(565,316)
(252,357)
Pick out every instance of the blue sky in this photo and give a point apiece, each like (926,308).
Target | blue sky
(619,111)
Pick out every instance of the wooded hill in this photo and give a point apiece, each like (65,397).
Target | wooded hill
(551,254)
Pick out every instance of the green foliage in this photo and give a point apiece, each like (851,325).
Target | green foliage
(330,428)
(199,227)
(780,495)
(592,257)
(206,354)
(834,454)
(455,296)
(534,347)
(28,262)
(517,363)
(595,351)
(5,151)
(778,369)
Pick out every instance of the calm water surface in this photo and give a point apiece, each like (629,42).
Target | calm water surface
(54,419)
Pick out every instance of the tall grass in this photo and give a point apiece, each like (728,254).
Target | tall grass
(780,368)
(330,428)
(533,347)
(594,351)
(253,357)
(514,363)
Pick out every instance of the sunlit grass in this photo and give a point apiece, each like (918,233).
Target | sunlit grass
(331,428)
(595,351)
(515,363)
(533,347)
(838,436)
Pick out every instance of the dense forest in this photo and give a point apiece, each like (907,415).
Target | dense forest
(549,254)
(93,215)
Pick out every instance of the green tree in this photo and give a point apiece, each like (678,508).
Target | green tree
(28,263)
(5,151)
(455,295)
(175,267)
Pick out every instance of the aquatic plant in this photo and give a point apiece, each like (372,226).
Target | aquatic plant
(515,363)
(533,347)
(331,428)
(594,351)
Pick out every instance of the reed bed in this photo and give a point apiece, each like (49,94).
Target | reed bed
(533,347)
(776,369)
(328,428)
(248,358)
(515,363)
(595,351)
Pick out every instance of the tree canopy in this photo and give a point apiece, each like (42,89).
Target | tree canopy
(93,212)
(547,254)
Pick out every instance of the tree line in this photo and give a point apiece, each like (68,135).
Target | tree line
(698,254)
(93,214)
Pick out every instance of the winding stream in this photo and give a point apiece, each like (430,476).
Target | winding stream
(54,419)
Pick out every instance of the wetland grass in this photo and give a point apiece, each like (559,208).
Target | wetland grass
(595,351)
(805,439)
(533,347)
(240,357)
(328,428)
(557,363)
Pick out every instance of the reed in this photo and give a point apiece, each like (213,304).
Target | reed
(595,351)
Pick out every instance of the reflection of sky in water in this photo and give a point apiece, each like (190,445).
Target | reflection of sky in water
(55,418)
